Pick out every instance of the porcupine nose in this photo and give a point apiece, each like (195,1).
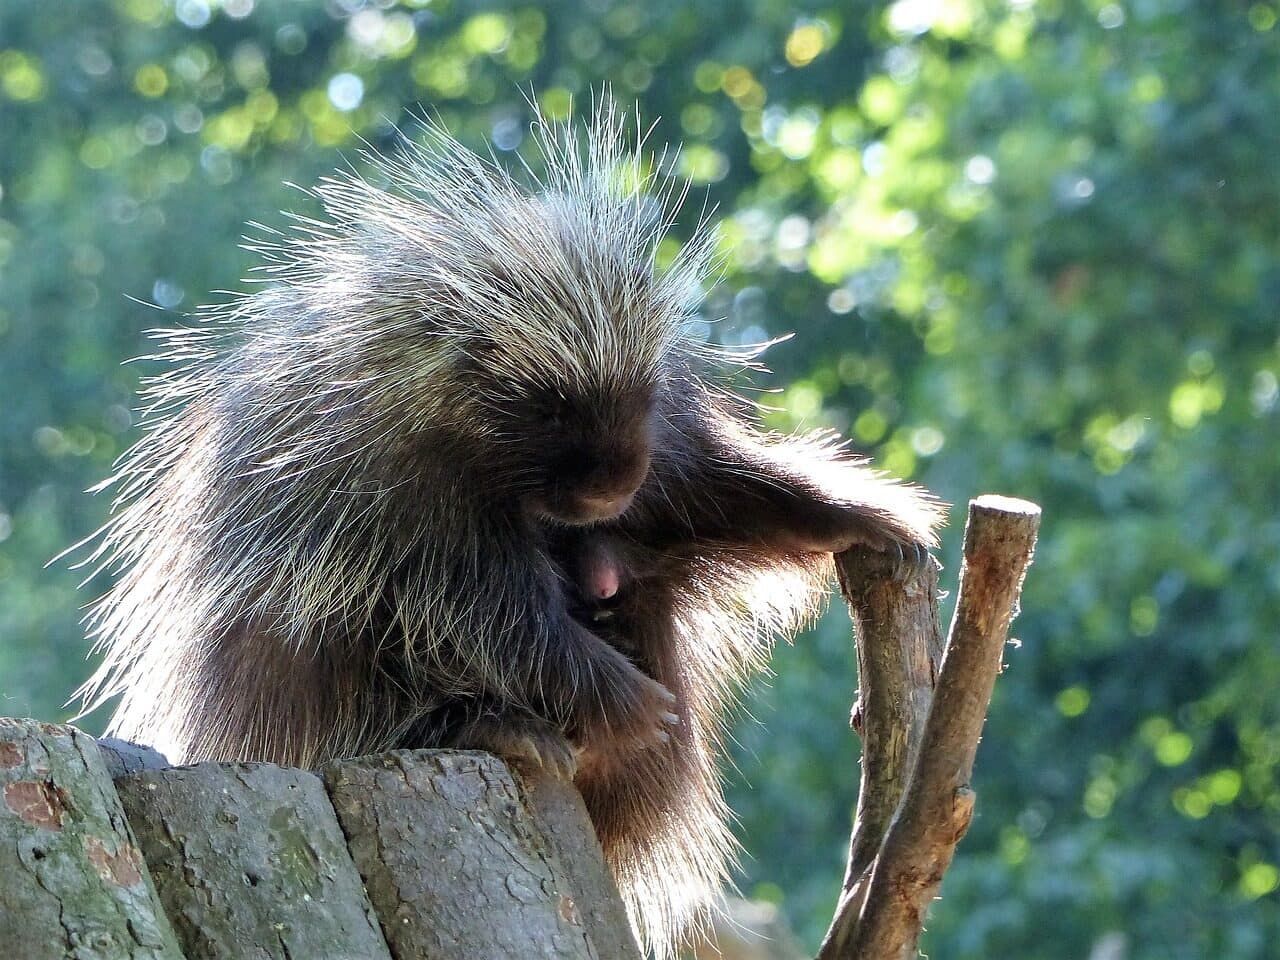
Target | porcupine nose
(605,507)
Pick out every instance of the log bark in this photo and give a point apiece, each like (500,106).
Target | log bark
(938,806)
(251,863)
(898,640)
(557,807)
(123,757)
(74,881)
(455,864)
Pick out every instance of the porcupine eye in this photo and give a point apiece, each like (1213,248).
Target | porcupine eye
(557,410)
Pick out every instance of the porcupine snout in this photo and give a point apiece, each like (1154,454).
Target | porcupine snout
(599,478)
(594,452)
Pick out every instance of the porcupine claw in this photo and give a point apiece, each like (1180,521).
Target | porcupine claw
(664,715)
(526,743)
(912,560)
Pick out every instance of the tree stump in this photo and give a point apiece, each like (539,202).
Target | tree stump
(455,864)
(74,882)
(250,863)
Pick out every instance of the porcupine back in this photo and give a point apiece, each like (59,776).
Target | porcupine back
(308,462)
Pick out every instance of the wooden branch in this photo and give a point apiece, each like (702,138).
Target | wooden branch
(998,543)
(250,862)
(899,646)
(896,864)
(72,882)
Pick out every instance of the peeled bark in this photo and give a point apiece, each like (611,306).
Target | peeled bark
(250,863)
(74,882)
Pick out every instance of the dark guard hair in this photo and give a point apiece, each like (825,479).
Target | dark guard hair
(344,529)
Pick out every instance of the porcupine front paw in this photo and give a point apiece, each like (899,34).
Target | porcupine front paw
(523,741)
(905,548)
(909,559)
(906,559)
(639,714)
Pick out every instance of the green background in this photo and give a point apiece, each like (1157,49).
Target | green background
(1027,246)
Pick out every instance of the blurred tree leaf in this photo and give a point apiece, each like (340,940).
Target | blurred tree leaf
(1027,246)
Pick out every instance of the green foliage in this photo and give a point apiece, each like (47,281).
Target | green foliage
(1027,246)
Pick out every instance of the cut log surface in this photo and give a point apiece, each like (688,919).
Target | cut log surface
(455,865)
(251,863)
(74,884)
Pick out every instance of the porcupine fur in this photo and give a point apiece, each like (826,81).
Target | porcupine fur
(352,520)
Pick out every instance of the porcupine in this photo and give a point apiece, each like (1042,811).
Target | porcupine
(357,514)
